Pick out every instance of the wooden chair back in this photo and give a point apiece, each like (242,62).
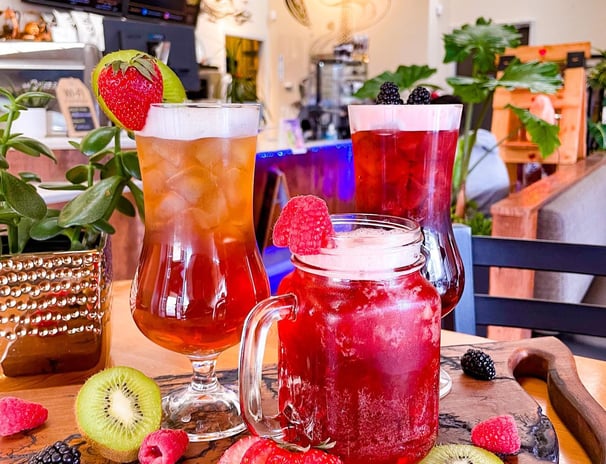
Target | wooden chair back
(478,309)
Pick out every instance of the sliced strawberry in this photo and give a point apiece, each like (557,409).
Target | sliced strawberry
(128,87)
(259,452)
(303,225)
(234,454)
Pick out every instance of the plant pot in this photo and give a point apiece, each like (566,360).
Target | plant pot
(54,311)
(31,123)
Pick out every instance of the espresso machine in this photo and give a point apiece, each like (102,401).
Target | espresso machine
(325,94)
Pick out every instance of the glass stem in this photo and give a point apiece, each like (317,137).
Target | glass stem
(204,378)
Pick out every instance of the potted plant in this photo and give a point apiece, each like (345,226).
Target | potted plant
(55,265)
(32,120)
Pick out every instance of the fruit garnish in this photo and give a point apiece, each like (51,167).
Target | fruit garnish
(389,94)
(478,365)
(57,453)
(457,454)
(255,450)
(303,225)
(498,434)
(127,82)
(18,415)
(116,409)
(419,96)
(164,446)
(235,453)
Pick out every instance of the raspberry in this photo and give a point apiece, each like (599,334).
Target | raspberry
(17,415)
(303,225)
(163,447)
(498,434)
(419,96)
(389,94)
(58,453)
(478,365)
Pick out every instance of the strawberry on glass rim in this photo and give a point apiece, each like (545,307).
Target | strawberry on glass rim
(127,82)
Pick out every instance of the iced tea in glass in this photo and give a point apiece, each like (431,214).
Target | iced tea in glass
(200,270)
(359,346)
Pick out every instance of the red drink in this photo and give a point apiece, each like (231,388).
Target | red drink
(359,362)
(403,161)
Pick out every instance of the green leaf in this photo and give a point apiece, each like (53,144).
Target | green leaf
(78,174)
(598,133)
(130,161)
(97,139)
(22,197)
(29,176)
(92,204)
(103,226)
(545,135)
(45,229)
(62,186)
(483,41)
(471,89)
(538,77)
(137,193)
(405,77)
(30,147)
(125,206)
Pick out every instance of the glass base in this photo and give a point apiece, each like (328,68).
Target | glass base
(205,416)
(445,383)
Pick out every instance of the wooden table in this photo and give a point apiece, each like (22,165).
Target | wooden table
(130,347)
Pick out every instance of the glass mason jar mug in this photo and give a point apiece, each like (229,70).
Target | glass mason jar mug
(359,346)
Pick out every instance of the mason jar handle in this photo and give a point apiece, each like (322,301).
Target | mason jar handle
(252,350)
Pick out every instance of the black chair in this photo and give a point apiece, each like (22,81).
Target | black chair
(477,309)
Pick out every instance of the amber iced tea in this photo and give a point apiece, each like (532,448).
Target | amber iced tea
(197,193)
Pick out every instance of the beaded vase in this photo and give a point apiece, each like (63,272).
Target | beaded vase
(54,309)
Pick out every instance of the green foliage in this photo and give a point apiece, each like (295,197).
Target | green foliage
(110,171)
(597,132)
(596,76)
(38,93)
(101,184)
(484,42)
(479,223)
(405,77)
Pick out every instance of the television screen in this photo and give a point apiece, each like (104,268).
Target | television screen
(149,37)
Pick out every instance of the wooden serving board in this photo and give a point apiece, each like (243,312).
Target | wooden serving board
(469,402)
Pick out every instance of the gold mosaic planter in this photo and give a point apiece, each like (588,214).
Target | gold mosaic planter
(54,310)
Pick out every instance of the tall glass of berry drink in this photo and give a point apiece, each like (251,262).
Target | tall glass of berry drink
(403,160)
(359,346)
(200,271)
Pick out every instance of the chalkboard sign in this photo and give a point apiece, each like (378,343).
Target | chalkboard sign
(77,106)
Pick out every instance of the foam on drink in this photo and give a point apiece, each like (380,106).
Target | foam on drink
(403,117)
(364,252)
(181,121)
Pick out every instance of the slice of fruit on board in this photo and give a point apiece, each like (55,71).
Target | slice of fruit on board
(127,82)
(116,409)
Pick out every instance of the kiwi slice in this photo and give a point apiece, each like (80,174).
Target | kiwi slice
(115,409)
(460,454)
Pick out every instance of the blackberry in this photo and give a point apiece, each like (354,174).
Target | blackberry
(419,96)
(389,94)
(478,365)
(59,453)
